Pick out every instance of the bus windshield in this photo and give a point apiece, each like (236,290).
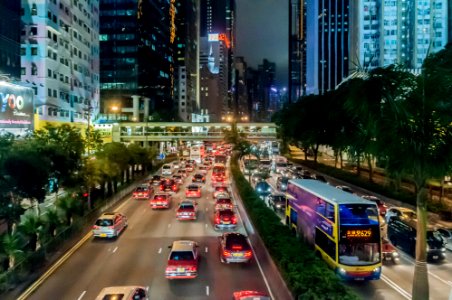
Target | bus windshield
(251,163)
(358,214)
(354,253)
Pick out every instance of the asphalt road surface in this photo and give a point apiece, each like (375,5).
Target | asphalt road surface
(139,255)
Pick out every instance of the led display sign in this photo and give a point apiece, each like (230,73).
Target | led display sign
(16,106)
(358,233)
(213,37)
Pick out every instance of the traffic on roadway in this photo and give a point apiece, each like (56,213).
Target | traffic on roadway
(171,239)
(271,175)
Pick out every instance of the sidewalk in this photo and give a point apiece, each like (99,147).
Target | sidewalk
(378,178)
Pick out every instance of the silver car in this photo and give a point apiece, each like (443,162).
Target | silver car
(109,225)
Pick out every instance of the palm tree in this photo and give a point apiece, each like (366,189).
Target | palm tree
(31,226)
(70,206)
(52,221)
(12,244)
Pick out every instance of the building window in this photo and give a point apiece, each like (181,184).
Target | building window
(49,73)
(49,111)
(34,30)
(54,93)
(34,51)
(34,9)
(22,71)
(49,92)
(23,51)
(34,69)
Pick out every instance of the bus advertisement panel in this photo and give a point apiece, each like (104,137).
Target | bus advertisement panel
(344,228)
(16,107)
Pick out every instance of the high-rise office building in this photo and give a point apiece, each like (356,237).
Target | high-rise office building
(297,49)
(10,39)
(327,45)
(218,26)
(396,32)
(136,46)
(267,71)
(60,58)
(186,58)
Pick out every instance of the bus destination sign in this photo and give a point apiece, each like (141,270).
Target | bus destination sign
(358,233)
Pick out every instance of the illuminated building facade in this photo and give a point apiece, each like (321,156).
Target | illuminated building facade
(297,49)
(186,59)
(60,59)
(137,66)
(397,32)
(327,45)
(10,40)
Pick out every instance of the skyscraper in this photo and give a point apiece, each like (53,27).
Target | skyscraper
(327,42)
(60,58)
(397,32)
(10,39)
(297,49)
(136,46)
(186,58)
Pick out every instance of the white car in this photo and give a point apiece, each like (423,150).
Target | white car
(167,169)
(446,233)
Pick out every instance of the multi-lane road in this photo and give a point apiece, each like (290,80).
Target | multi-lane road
(139,255)
(396,280)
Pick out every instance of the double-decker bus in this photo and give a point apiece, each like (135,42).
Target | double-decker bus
(197,152)
(250,163)
(343,228)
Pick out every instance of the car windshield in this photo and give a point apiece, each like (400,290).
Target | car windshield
(434,236)
(181,255)
(262,185)
(113,297)
(224,201)
(104,222)
(358,254)
(160,197)
(281,164)
(279,199)
(198,176)
(284,180)
(226,212)
(192,188)
(141,189)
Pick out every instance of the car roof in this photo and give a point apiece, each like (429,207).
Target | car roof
(183,245)
(108,215)
(117,290)
(277,194)
(403,209)
(192,186)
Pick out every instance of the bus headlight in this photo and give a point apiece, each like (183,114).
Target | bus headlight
(377,270)
(342,271)
(395,254)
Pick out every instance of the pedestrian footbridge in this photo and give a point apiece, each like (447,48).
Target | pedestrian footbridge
(127,132)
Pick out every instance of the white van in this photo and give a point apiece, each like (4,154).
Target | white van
(123,292)
(167,169)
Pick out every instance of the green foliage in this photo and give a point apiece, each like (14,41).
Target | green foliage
(306,275)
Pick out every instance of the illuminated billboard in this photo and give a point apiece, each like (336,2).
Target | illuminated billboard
(16,106)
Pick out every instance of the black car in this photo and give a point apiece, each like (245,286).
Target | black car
(402,234)
(277,201)
(198,178)
(155,180)
(168,185)
(281,183)
(263,188)
(320,178)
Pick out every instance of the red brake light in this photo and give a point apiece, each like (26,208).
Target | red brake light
(95,227)
(234,220)
(237,247)
(174,187)
(217,220)
(226,253)
(248,253)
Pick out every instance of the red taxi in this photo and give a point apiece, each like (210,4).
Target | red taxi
(161,200)
(183,260)
(142,192)
(225,219)
(193,191)
(189,167)
(250,295)
(187,210)
(220,190)
(223,203)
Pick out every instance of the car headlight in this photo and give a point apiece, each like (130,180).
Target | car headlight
(259,189)
(269,190)
(395,254)
(342,271)
(443,249)
(278,205)
(428,247)
(283,186)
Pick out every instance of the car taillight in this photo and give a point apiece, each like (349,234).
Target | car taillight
(237,247)
(191,268)
(217,220)
(95,227)
(161,187)
(226,253)
(248,253)
(234,220)
(174,187)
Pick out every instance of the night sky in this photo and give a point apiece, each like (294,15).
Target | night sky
(262,33)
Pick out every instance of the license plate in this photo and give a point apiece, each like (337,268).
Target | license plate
(237,254)
(226,222)
(435,257)
(388,258)
(180,270)
(103,235)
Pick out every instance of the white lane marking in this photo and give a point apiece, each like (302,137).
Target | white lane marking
(207,290)
(207,209)
(81,296)
(169,225)
(147,288)
(206,225)
(116,248)
(396,287)
(160,250)
(207,249)
(440,279)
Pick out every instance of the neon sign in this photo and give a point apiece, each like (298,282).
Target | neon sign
(358,233)
(172,13)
